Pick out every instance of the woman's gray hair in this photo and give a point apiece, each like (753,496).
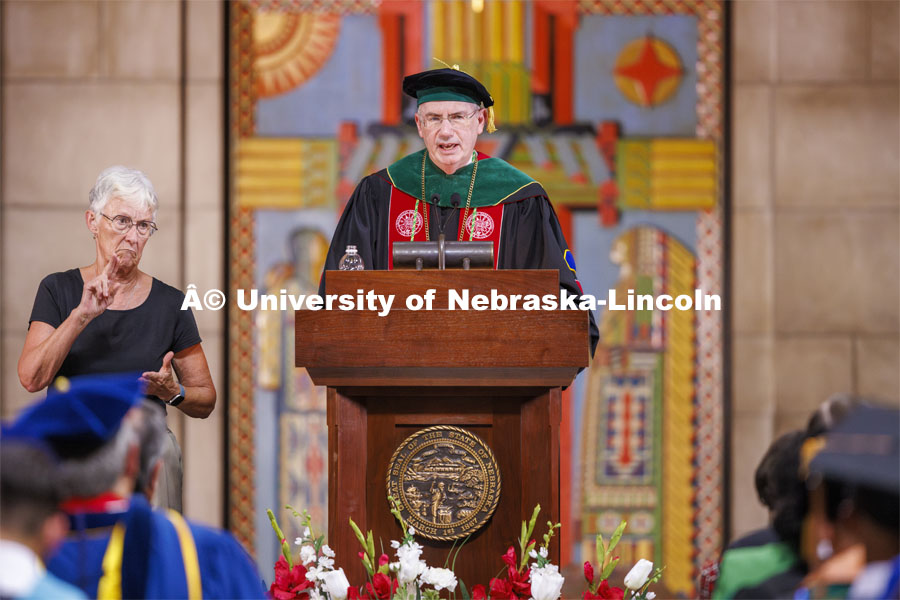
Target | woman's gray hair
(121,182)
(98,472)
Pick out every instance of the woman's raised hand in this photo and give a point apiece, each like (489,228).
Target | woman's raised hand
(99,292)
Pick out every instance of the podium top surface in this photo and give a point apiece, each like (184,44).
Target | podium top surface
(477,281)
(470,344)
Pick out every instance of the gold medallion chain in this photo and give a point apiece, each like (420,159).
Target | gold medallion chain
(426,205)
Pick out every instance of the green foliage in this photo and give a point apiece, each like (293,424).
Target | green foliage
(395,510)
(606,561)
(526,544)
(368,545)
(285,548)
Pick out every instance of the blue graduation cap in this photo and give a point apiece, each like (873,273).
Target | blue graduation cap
(80,414)
(863,450)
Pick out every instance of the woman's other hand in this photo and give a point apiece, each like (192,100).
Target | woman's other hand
(162,383)
(193,372)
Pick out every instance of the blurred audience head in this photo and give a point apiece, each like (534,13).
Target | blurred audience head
(858,470)
(780,488)
(30,496)
(105,435)
(817,537)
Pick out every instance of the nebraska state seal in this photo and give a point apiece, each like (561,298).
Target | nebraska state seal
(446,480)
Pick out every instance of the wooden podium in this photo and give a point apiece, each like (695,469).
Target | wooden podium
(495,373)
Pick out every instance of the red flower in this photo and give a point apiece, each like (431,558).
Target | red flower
(288,582)
(589,572)
(479,593)
(354,594)
(516,585)
(382,587)
(501,589)
(383,560)
(605,592)
(510,558)
(522,587)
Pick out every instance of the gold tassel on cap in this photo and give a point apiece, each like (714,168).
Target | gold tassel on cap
(454,67)
(490,120)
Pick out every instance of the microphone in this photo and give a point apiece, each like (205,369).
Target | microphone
(435,198)
(454,199)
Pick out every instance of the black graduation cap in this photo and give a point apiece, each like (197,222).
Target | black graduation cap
(449,84)
(80,414)
(864,450)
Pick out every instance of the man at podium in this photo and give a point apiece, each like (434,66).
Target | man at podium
(448,188)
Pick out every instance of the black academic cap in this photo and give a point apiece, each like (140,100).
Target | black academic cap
(863,450)
(446,84)
(80,414)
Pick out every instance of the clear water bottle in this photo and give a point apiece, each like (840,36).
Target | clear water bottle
(351,261)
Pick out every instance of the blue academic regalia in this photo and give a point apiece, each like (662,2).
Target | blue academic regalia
(156,554)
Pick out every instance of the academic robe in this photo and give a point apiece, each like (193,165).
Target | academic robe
(506,206)
(758,565)
(129,550)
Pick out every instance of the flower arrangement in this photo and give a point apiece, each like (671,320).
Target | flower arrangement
(637,581)
(408,578)
(314,577)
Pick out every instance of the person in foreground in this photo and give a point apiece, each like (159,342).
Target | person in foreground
(31,524)
(449,188)
(766,563)
(108,440)
(857,473)
(112,317)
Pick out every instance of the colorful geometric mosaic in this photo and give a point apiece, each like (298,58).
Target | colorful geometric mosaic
(333,7)
(706,483)
(667,174)
(241,434)
(648,71)
(491,46)
(291,48)
(285,173)
(639,406)
(651,426)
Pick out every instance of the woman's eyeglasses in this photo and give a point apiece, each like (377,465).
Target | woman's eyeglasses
(123,224)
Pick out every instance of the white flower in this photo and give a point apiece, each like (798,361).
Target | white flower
(441,579)
(306,532)
(298,541)
(395,544)
(533,554)
(412,531)
(314,594)
(544,553)
(408,567)
(410,550)
(307,555)
(313,573)
(409,570)
(326,563)
(651,595)
(336,584)
(327,551)
(546,583)
(638,574)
